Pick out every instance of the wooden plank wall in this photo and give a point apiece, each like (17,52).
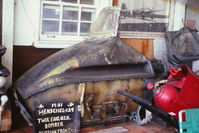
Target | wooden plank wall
(26,57)
(144,46)
(115,2)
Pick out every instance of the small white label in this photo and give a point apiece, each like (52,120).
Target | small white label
(79,108)
(172,113)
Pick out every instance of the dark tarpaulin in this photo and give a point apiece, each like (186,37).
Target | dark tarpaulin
(182,46)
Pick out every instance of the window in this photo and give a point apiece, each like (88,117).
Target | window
(66,20)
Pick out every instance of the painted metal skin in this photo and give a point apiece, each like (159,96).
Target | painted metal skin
(102,66)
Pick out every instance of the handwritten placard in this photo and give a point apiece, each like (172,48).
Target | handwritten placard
(58,117)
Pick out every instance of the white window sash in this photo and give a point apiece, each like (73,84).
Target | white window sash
(62,41)
(60,36)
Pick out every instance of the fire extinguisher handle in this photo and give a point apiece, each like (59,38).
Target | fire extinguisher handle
(174,79)
(184,70)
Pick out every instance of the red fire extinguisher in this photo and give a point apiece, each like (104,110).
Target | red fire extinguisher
(179,91)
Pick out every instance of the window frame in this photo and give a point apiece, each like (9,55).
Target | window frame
(60,37)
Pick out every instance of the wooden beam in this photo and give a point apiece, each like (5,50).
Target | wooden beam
(177,15)
(7,35)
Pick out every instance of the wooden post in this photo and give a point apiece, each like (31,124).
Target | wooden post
(7,35)
(7,58)
(177,15)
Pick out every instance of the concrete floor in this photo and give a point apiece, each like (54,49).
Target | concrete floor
(133,128)
(129,127)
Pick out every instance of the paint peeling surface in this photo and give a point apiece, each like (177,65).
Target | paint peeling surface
(89,74)
(91,60)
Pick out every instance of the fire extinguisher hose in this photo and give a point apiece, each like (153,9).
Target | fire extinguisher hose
(147,105)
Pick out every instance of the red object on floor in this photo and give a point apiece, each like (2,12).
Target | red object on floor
(180,92)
